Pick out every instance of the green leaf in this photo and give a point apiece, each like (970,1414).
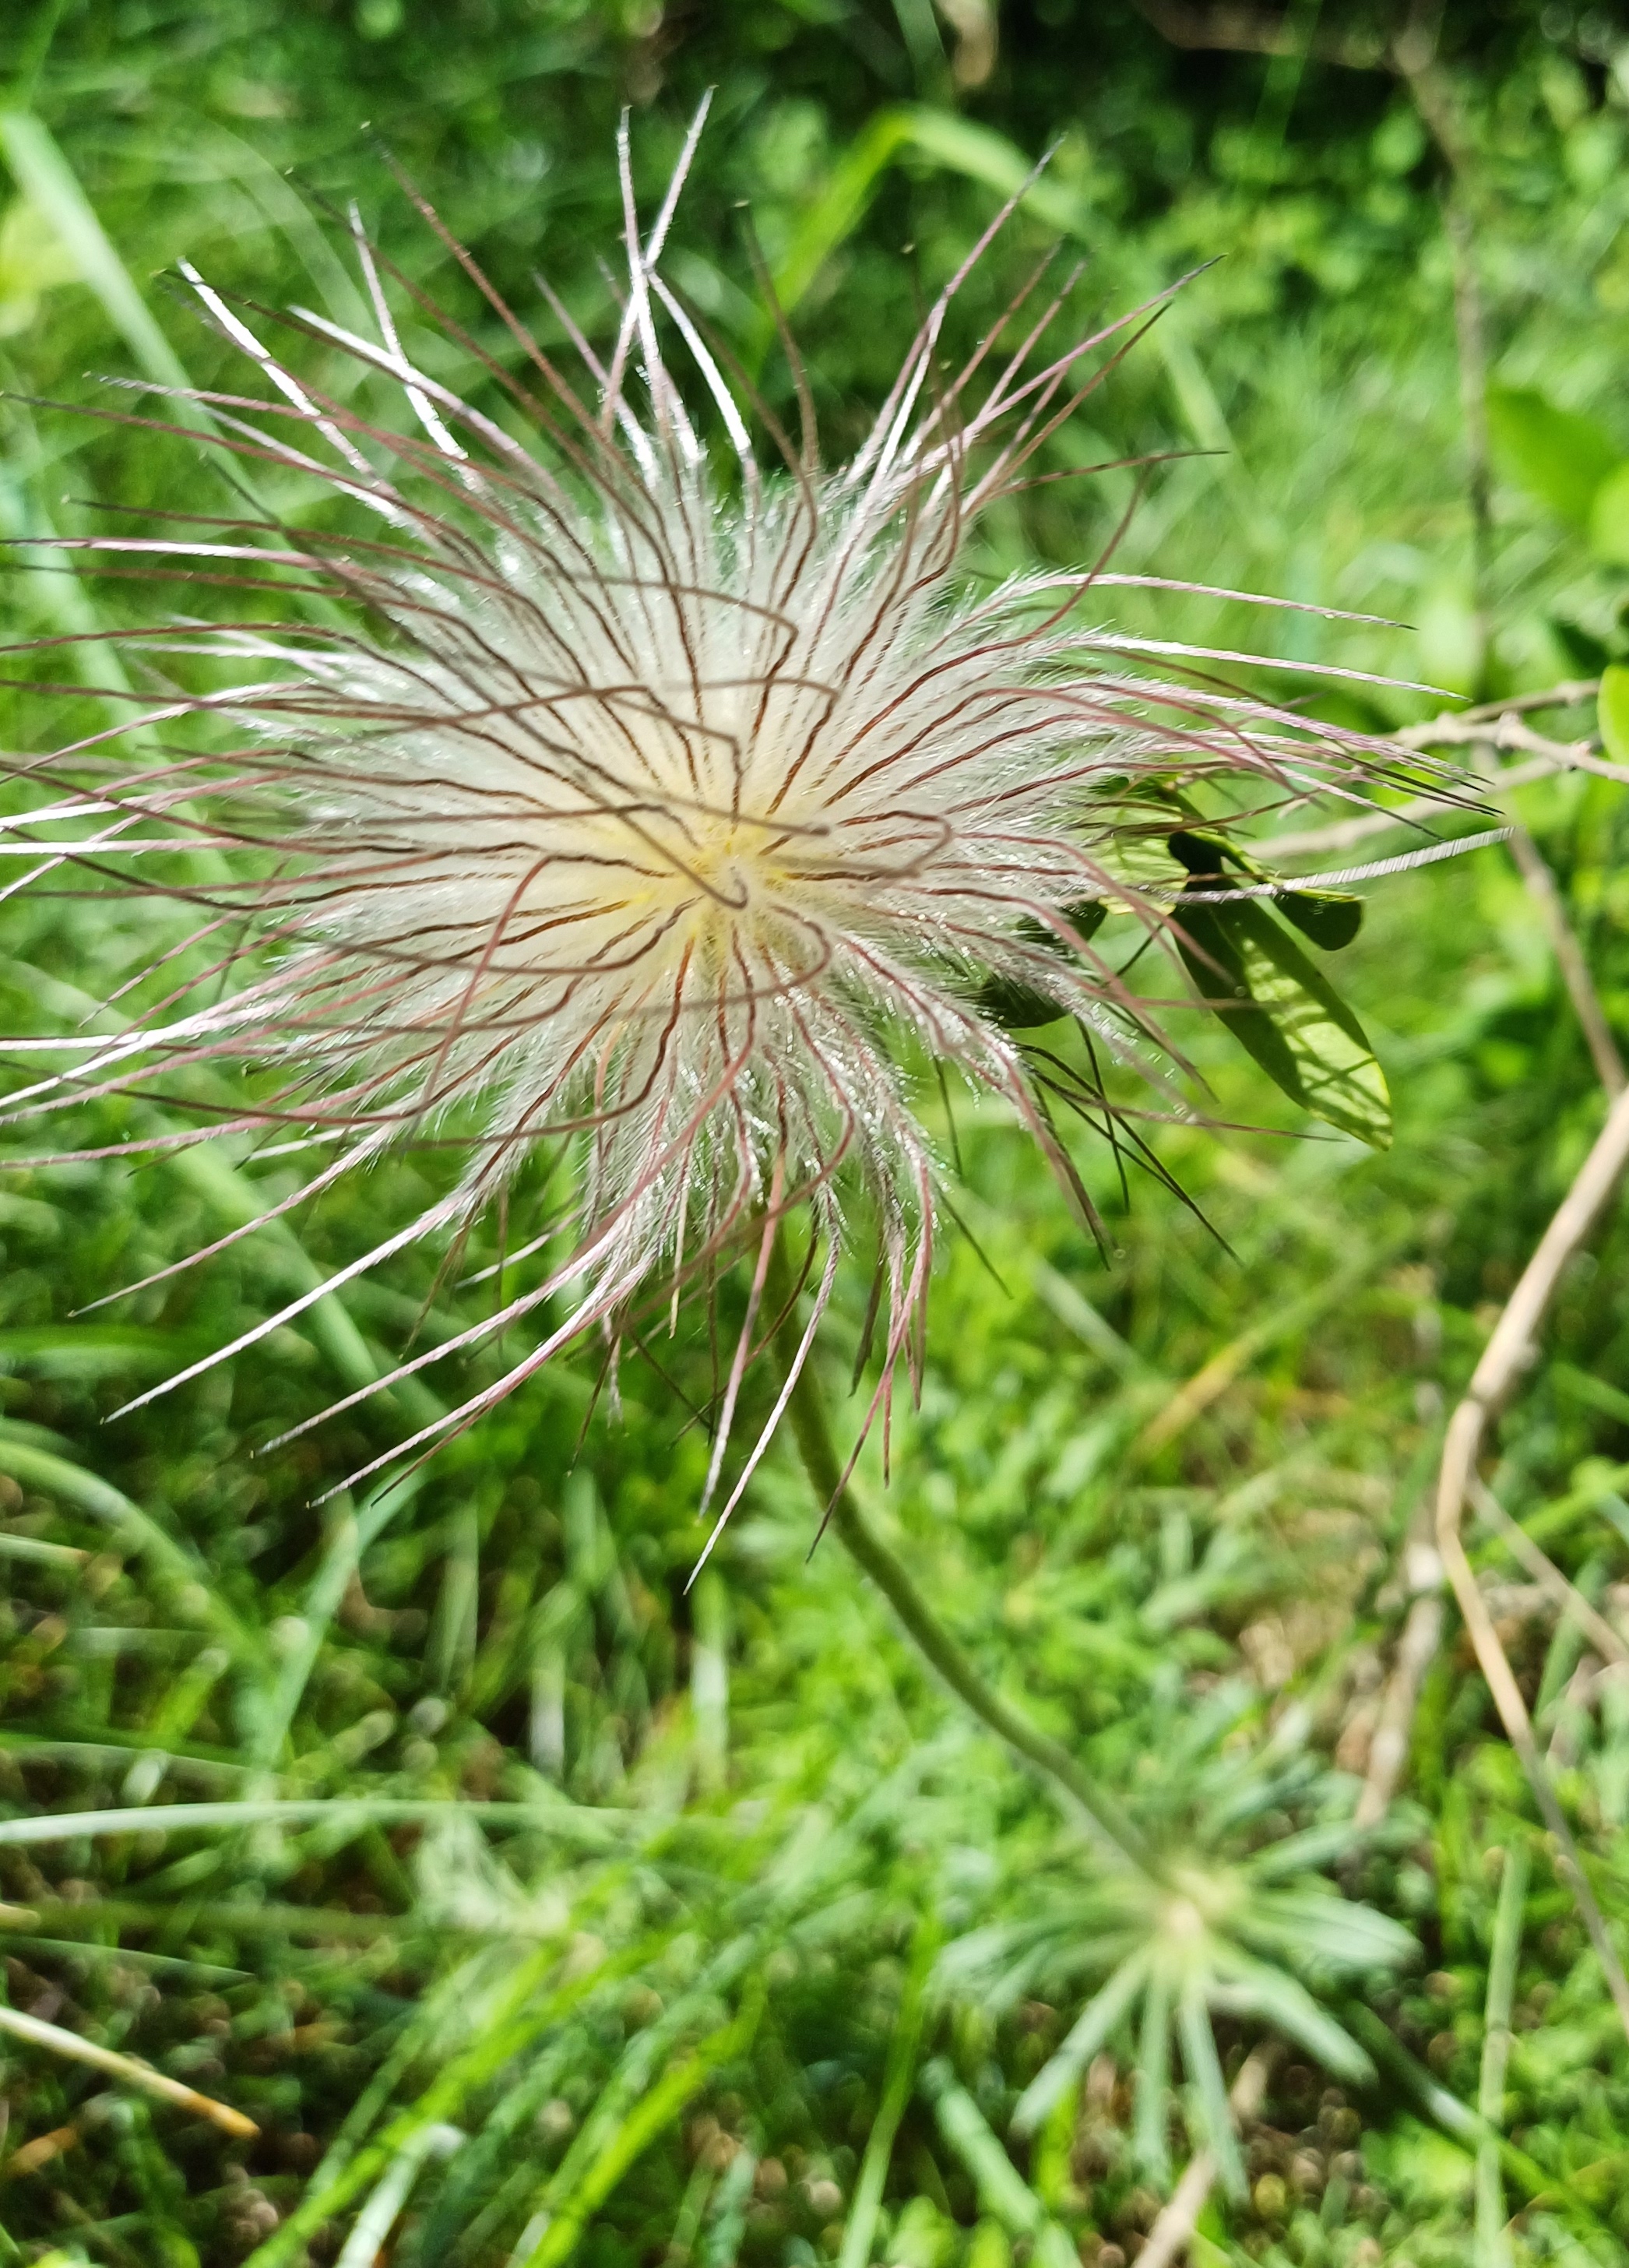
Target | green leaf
(1020,1007)
(33,260)
(52,188)
(1558,457)
(1586,655)
(1310,1848)
(1085,919)
(524,2008)
(1609,518)
(1017,1007)
(37,1467)
(1199,2055)
(1262,1989)
(73,1350)
(1001,2188)
(1148,2140)
(1090,2032)
(573,2209)
(1315,1924)
(976,151)
(1452,638)
(1285,1013)
(980,154)
(1331,918)
(861,2224)
(1612,711)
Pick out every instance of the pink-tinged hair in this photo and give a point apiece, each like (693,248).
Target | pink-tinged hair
(674,801)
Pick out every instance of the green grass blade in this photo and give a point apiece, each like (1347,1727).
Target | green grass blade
(1464,2126)
(1002,2190)
(370,2230)
(343,1814)
(1203,2070)
(1492,2242)
(38,1468)
(1090,2030)
(50,182)
(897,2079)
(1281,2001)
(351,1534)
(977,152)
(1148,2136)
(232,1197)
(650,2116)
(509,2027)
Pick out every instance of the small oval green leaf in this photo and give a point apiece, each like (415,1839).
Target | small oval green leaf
(1555,454)
(1017,1007)
(1613,712)
(1283,1011)
(1331,918)
(1609,518)
(1020,1007)
(1201,854)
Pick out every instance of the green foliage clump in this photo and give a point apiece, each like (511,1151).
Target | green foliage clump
(534,1905)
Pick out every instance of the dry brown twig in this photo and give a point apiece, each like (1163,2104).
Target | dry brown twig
(1425,1568)
(128,2068)
(1495,728)
(1512,1347)
(1506,1355)
(1238,29)
(1342,833)
(1547,1575)
(1510,1350)
(1569,958)
(1507,734)
(1416,1651)
(1571,693)
(1492,730)
(1498,729)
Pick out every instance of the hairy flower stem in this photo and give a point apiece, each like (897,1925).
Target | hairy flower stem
(811,1429)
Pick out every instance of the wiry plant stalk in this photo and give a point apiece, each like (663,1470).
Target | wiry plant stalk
(834,1490)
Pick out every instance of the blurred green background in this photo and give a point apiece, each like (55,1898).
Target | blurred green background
(617,1920)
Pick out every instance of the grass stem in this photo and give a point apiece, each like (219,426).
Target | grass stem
(811,1429)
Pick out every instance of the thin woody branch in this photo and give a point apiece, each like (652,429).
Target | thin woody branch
(1241,30)
(1569,958)
(1505,1359)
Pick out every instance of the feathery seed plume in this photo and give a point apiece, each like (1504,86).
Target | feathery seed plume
(618,792)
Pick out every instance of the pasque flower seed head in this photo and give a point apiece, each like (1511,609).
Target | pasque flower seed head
(617,791)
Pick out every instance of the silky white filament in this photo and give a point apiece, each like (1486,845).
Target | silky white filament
(618,792)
